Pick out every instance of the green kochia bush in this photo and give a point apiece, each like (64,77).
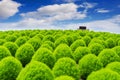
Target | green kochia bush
(110,43)
(115,66)
(11,38)
(4,52)
(107,55)
(49,43)
(66,66)
(35,42)
(36,71)
(44,55)
(46,46)
(80,52)
(117,50)
(25,53)
(2,41)
(64,78)
(104,74)
(9,68)
(12,47)
(21,40)
(87,39)
(63,50)
(88,64)
(48,38)
(77,43)
(61,40)
(69,39)
(96,48)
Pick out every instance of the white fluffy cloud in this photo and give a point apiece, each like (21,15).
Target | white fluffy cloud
(56,12)
(109,25)
(71,0)
(8,8)
(102,10)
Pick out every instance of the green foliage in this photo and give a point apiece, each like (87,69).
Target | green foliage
(117,50)
(70,40)
(12,47)
(2,41)
(25,53)
(115,66)
(44,55)
(49,43)
(66,66)
(46,46)
(99,41)
(11,38)
(9,68)
(21,40)
(61,40)
(96,48)
(64,78)
(104,74)
(63,50)
(119,43)
(35,42)
(108,55)
(36,71)
(40,36)
(110,43)
(49,38)
(80,52)
(4,52)
(87,39)
(88,64)
(77,43)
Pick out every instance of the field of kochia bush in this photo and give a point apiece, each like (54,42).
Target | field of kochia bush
(59,55)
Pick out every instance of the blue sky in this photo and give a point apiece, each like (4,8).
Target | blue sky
(98,15)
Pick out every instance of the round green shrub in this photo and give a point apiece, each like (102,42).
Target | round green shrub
(25,53)
(75,36)
(108,55)
(119,43)
(12,47)
(80,52)
(70,40)
(36,43)
(115,66)
(64,78)
(110,43)
(2,41)
(77,43)
(48,38)
(4,52)
(61,40)
(11,38)
(66,66)
(87,39)
(104,74)
(49,43)
(40,36)
(99,41)
(46,46)
(21,40)
(63,50)
(36,71)
(96,48)
(44,55)
(117,50)
(9,68)
(88,64)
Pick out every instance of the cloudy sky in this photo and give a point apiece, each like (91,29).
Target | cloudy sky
(98,15)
